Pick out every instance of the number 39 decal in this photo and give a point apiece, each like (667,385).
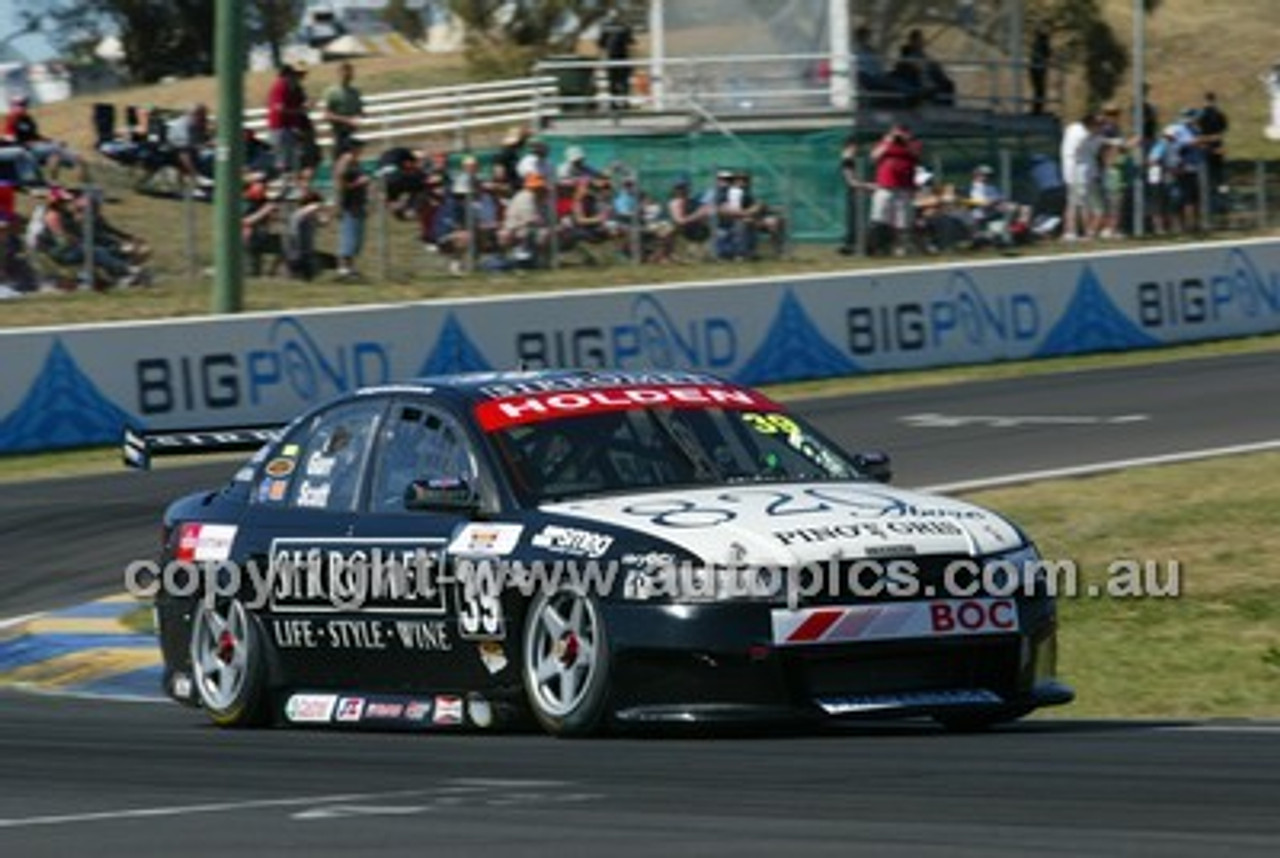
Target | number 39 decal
(479,601)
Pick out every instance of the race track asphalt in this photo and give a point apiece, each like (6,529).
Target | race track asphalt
(112,778)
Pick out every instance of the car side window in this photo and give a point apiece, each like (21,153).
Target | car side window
(418,442)
(331,456)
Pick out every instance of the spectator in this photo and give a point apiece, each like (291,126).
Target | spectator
(1038,67)
(592,218)
(525,228)
(1081,146)
(762,217)
(854,185)
(690,220)
(60,236)
(1114,176)
(575,166)
(189,135)
(450,231)
(287,118)
(734,231)
(1163,166)
(535,161)
(258,229)
(1213,129)
(351,190)
(507,160)
(1191,164)
(922,74)
(1150,118)
(896,157)
(133,249)
(615,45)
(300,252)
(874,84)
(16,273)
(21,127)
(343,108)
(404,180)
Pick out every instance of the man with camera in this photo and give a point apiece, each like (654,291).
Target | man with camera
(896,157)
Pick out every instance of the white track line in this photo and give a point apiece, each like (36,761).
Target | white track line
(188,809)
(1102,467)
(17,621)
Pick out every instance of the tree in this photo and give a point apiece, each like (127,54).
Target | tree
(405,21)
(505,37)
(271,22)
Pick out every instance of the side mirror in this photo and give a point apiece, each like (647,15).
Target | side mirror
(441,494)
(874,465)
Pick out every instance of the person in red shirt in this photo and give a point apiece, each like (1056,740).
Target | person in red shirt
(287,119)
(896,157)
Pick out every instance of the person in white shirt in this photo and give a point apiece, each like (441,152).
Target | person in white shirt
(1081,170)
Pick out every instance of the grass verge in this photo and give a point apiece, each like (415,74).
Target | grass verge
(1211,651)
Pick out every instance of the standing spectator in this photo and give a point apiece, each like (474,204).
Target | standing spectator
(1080,168)
(507,159)
(615,43)
(1163,166)
(896,157)
(351,189)
(854,185)
(1213,127)
(287,118)
(1038,67)
(1150,118)
(343,108)
(1191,158)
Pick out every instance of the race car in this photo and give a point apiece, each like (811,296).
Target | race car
(585,550)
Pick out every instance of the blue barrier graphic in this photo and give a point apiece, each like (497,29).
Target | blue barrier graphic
(794,349)
(453,352)
(1092,323)
(62,408)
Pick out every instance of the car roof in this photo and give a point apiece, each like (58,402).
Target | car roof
(475,387)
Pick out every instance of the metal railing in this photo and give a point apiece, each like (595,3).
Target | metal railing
(777,83)
(444,110)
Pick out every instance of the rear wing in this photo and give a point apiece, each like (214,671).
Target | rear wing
(139,446)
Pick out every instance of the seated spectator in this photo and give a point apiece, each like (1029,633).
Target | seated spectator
(735,235)
(921,74)
(535,161)
(16,274)
(21,127)
(259,225)
(690,220)
(525,227)
(875,85)
(592,211)
(575,166)
(132,248)
(190,135)
(56,233)
(429,201)
(764,218)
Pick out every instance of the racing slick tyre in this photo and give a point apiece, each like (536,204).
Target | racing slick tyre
(566,662)
(227,664)
(977,722)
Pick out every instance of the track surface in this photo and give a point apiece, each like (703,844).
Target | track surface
(115,778)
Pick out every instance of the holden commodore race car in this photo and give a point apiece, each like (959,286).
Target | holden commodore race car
(584,550)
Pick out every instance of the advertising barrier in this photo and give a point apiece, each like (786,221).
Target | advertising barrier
(79,386)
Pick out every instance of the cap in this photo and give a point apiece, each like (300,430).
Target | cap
(574,153)
(724,174)
(1171,131)
(533,181)
(984,169)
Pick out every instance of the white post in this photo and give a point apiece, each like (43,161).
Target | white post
(1139,99)
(658,53)
(838,25)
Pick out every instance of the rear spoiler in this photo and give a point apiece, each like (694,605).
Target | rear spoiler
(140,446)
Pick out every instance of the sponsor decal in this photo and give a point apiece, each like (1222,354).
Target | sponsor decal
(492,656)
(276,491)
(311,708)
(479,711)
(290,450)
(387,574)
(350,709)
(182,686)
(313,496)
(486,540)
(517,410)
(895,621)
(448,710)
(384,710)
(368,635)
(205,542)
(417,710)
(279,467)
(319,465)
(571,540)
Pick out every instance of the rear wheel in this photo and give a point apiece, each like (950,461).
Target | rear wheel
(226,663)
(566,662)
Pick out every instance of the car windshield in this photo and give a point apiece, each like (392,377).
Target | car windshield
(658,447)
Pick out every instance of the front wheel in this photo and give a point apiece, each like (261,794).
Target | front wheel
(227,664)
(566,662)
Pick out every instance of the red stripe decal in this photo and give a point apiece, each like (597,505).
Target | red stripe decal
(815,626)
(509,411)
